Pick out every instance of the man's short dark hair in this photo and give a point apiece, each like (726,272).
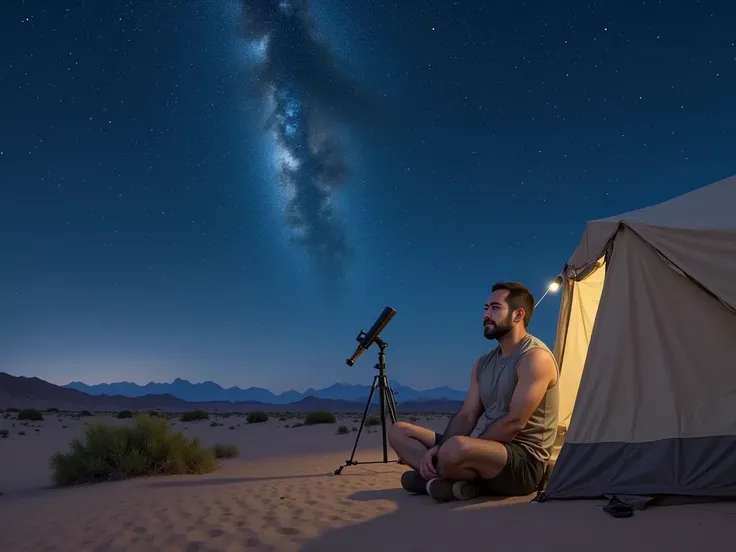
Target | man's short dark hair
(519,297)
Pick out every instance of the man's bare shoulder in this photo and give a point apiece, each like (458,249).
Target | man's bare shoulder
(539,363)
(540,354)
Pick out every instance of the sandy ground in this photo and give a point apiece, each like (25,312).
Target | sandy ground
(281,494)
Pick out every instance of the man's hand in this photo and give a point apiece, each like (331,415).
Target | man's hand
(426,467)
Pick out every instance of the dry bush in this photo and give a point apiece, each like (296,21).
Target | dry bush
(194,416)
(225,451)
(30,414)
(257,417)
(146,448)
(319,417)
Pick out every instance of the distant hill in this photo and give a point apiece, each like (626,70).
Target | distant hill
(25,392)
(210,391)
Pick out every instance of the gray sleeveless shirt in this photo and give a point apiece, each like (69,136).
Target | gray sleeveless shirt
(497,378)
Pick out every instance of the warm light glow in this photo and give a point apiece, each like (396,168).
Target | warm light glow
(554,286)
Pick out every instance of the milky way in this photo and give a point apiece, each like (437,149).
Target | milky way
(307,96)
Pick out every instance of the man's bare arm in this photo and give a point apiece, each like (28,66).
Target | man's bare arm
(536,372)
(464,421)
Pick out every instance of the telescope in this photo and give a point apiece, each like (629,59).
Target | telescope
(365,340)
(387,401)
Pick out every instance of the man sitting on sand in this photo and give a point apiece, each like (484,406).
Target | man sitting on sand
(502,437)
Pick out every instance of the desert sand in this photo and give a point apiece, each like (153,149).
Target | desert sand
(280,494)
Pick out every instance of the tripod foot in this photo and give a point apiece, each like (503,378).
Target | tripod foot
(338,471)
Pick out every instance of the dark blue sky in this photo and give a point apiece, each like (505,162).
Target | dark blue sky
(143,226)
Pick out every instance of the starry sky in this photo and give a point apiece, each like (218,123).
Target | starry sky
(230,191)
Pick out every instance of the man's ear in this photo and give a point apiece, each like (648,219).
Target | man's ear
(519,315)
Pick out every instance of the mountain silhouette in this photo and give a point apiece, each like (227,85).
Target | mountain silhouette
(33,392)
(209,391)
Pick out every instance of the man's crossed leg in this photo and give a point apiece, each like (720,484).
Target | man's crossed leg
(464,466)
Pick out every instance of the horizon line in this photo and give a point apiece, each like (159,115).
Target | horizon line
(258,387)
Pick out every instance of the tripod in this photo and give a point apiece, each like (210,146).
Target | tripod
(386,398)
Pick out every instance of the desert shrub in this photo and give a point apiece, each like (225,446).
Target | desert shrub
(113,452)
(225,451)
(372,420)
(4,433)
(30,414)
(12,410)
(154,414)
(256,417)
(319,417)
(125,414)
(52,410)
(194,415)
(85,414)
(342,430)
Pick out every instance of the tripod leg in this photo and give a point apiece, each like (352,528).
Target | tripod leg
(360,429)
(383,390)
(392,411)
(389,406)
(392,404)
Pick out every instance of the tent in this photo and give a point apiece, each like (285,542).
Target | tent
(646,344)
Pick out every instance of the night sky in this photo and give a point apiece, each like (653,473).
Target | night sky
(188,189)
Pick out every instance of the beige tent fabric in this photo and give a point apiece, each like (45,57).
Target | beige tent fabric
(708,256)
(660,363)
(654,393)
(710,207)
(597,234)
(585,296)
(696,231)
